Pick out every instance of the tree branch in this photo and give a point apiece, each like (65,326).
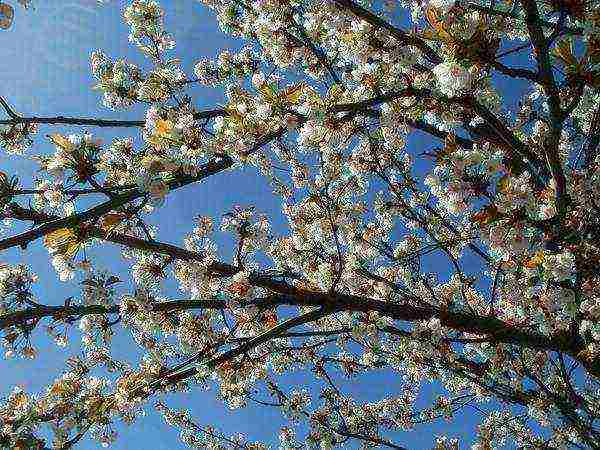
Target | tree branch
(541,51)
(498,331)
(61,120)
(512,15)
(593,138)
(398,33)
(117,201)
(316,51)
(178,376)
(515,72)
(8,109)
(63,311)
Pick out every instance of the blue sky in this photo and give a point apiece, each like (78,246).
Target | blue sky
(45,71)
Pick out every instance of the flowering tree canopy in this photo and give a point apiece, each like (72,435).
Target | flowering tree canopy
(469,265)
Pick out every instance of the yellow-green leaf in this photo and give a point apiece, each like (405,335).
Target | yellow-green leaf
(63,241)
(564,52)
(7,13)
(61,142)
(486,216)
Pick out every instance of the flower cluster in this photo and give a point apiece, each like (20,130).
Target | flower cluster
(145,17)
(74,153)
(452,78)
(67,401)
(160,83)
(202,437)
(118,81)
(15,139)
(228,66)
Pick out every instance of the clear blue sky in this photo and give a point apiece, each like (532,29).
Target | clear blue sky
(45,71)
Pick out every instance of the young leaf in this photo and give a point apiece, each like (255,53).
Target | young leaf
(7,13)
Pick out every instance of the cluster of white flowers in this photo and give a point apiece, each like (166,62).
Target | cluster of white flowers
(228,66)
(14,279)
(452,78)
(70,152)
(458,178)
(295,404)
(117,80)
(160,83)
(442,5)
(145,17)
(559,267)
(64,266)
(15,139)
(148,270)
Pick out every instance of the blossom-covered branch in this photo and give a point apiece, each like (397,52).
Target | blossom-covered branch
(436,166)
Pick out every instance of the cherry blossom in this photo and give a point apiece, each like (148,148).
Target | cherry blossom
(432,227)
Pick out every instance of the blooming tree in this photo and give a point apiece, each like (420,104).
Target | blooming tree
(469,265)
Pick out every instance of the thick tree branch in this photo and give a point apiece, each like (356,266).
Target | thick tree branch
(61,120)
(221,269)
(515,72)
(362,107)
(498,331)
(502,131)
(541,50)
(66,311)
(117,201)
